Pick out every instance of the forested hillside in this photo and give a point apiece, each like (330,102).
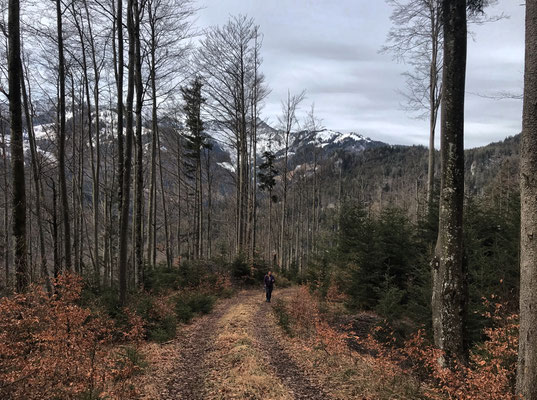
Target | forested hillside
(154,194)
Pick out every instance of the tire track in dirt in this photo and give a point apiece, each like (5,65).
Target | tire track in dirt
(297,380)
(186,379)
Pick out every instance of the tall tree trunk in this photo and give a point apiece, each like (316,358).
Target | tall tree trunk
(434,99)
(269,235)
(61,140)
(151,220)
(179,202)
(164,207)
(119,72)
(6,201)
(80,214)
(17,151)
(199,207)
(527,353)
(55,239)
(96,163)
(125,198)
(209,204)
(449,283)
(283,210)
(37,185)
(138,225)
(86,91)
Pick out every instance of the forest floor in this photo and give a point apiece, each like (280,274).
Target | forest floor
(240,352)
(235,352)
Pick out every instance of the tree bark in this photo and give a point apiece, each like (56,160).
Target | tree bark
(164,207)
(138,223)
(61,144)
(449,284)
(119,71)
(527,353)
(151,220)
(6,201)
(17,151)
(129,133)
(37,185)
(96,170)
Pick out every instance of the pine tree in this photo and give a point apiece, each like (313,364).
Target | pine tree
(196,142)
(267,180)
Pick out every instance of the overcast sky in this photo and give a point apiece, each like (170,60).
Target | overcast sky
(330,49)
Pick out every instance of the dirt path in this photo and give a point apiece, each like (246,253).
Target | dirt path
(232,353)
(300,385)
(180,371)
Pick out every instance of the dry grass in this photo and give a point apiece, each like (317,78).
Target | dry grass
(345,374)
(238,370)
(160,359)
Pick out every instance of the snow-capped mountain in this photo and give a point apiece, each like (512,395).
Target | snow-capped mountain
(303,145)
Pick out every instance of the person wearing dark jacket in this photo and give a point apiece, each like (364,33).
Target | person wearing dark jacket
(269,285)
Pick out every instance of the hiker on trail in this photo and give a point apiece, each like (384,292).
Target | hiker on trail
(269,285)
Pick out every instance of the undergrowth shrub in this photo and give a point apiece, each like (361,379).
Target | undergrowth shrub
(411,366)
(188,304)
(490,374)
(52,347)
(242,271)
(282,316)
(158,316)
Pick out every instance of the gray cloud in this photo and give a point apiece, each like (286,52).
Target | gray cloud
(331,49)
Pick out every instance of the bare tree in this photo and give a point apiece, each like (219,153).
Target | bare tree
(288,122)
(226,61)
(61,140)
(416,38)
(167,27)
(37,184)
(139,173)
(17,152)
(314,124)
(129,134)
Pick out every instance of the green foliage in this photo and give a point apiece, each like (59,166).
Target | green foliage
(282,282)
(160,324)
(240,268)
(282,316)
(183,311)
(189,304)
(377,257)
(130,356)
(390,304)
(103,298)
(382,262)
(163,278)
(267,173)
(190,273)
(164,330)
(492,243)
(201,303)
(319,276)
